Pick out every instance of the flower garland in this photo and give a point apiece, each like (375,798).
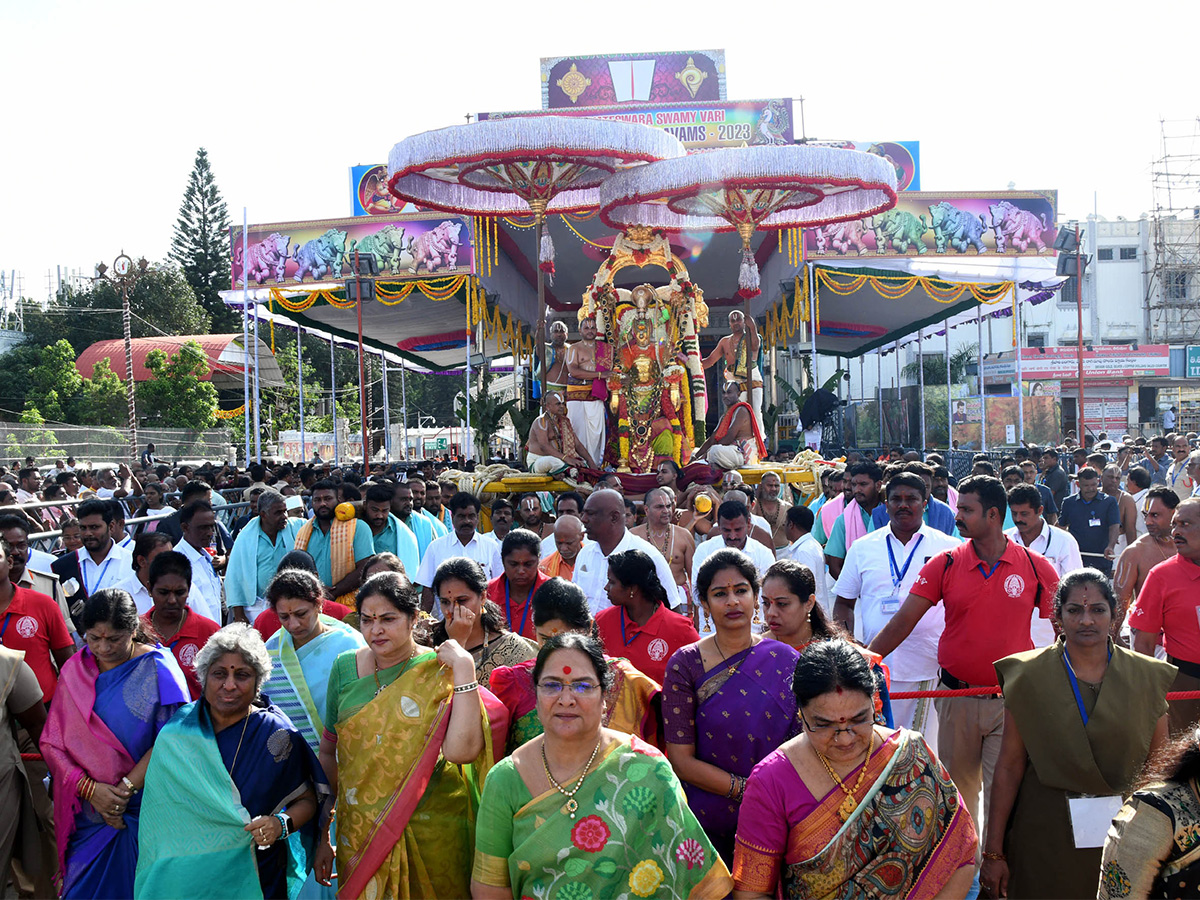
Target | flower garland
(225,414)
(894,287)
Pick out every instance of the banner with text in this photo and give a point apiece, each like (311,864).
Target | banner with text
(1062,363)
(1007,223)
(414,245)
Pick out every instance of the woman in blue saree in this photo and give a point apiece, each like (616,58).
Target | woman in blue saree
(727,700)
(231,798)
(112,702)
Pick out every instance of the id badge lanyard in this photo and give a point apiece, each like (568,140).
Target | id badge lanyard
(1075,684)
(896,572)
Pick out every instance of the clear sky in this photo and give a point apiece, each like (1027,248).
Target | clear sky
(105,103)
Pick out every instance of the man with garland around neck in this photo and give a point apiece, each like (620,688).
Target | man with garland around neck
(737,441)
(588,363)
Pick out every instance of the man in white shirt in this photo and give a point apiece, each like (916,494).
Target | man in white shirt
(733,531)
(604,519)
(99,563)
(879,571)
(198,523)
(806,550)
(1056,544)
(1137,485)
(463,541)
(28,483)
(117,528)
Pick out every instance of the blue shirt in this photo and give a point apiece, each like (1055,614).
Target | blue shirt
(422,528)
(396,538)
(238,590)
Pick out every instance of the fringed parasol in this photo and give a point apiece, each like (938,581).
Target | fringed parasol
(747,189)
(518,166)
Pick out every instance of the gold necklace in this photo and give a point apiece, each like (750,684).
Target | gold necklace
(668,538)
(233,765)
(851,802)
(572,804)
(407,662)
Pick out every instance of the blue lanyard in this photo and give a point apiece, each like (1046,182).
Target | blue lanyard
(99,579)
(508,608)
(988,574)
(898,573)
(1075,683)
(624,640)
(4,627)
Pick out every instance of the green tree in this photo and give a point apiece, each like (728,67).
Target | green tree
(54,381)
(201,242)
(935,366)
(101,399)
(175,397)
(487,411)
(15,366)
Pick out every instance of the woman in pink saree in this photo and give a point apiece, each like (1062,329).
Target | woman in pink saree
(849,808)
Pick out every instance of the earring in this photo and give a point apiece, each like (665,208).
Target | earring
(757,620)
(707,620)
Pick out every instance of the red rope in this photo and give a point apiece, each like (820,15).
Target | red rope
(31,756)
(995,689)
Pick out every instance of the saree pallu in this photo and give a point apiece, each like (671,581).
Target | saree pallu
(193,842)
(632,835)
(299,677)
(907,837)
(631,705)
(100,725)
(406,817)
(744,709)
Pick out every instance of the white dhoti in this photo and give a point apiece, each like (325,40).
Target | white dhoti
(587,418)
(753,396)
(918,715)
(733,456)
(544,465)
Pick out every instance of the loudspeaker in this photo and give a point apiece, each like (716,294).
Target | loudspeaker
(1068,264)
(1065,241)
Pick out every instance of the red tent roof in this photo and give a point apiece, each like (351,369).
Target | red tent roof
(213,345)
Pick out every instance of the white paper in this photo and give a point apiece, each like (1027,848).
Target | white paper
(1090,818)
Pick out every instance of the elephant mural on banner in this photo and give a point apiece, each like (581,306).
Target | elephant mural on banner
(901,229)
(841,236)
(1017,226)
(386,245)
(957,228)
(264,258)
(437,248)
(321,256)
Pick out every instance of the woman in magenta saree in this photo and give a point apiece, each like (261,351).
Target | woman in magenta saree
(113,698)
(727,700)
(850,808)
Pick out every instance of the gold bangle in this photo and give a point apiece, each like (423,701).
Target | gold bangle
(997,857)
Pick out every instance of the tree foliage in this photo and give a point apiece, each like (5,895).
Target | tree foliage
(935,366)
(487,411)
(201,242)
(175,393)
(101,399)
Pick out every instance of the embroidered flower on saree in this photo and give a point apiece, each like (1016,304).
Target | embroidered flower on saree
(690,852)
(1116,882)
(639,746)
(640,802)
(574,890)
(590,834)
(645,878)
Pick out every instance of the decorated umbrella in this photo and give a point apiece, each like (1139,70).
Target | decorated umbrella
(518,166)
(750,188)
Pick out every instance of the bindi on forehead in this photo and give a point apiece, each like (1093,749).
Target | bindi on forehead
(566,670)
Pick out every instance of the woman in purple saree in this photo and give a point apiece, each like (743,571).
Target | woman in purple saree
(727,700)
(112,700)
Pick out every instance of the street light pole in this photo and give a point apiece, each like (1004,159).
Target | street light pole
(125,278)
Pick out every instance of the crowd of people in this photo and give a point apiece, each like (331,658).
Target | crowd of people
(906,684)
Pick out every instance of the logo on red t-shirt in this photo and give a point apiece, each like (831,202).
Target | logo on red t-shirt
(1014,585)
(657,650)
(27,626)
(187,654)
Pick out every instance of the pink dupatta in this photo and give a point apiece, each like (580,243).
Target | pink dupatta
(72,730)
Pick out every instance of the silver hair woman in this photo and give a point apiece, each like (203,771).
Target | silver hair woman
(230,759)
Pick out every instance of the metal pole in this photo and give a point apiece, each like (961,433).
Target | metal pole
(982,395)
(879,390)
(949,405)
(1079,347)
(126,327)
(921,383)
(1018,354)
(362,369)
(404,409)
(539,337)
(899,397)
(387,419)
(812,320)
(333,399)
(467,454)
(300,382)
(257,393)
(245,335)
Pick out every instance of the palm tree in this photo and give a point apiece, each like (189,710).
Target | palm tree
(935,366)
(487,411)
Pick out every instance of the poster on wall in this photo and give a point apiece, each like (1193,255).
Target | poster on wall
(569,82)
(699,126)
(966,422)
(369,195)
(416,245)
(905,156)
(1043,420)
(1004,223)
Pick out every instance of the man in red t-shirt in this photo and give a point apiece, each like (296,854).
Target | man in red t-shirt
(33,622)
(990,587)
(638,625)
(1167,605)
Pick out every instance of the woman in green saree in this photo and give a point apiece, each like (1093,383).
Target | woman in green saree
(584,812)
(407,741)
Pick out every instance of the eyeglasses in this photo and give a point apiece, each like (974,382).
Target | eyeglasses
(578,688)
(860,723)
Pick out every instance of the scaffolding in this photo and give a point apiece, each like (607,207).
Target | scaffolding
(1173,269)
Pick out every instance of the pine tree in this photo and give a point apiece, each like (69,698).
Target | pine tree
(201,243)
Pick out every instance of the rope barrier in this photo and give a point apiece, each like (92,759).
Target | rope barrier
(995,689)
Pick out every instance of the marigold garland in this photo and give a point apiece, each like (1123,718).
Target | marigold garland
(229,413)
